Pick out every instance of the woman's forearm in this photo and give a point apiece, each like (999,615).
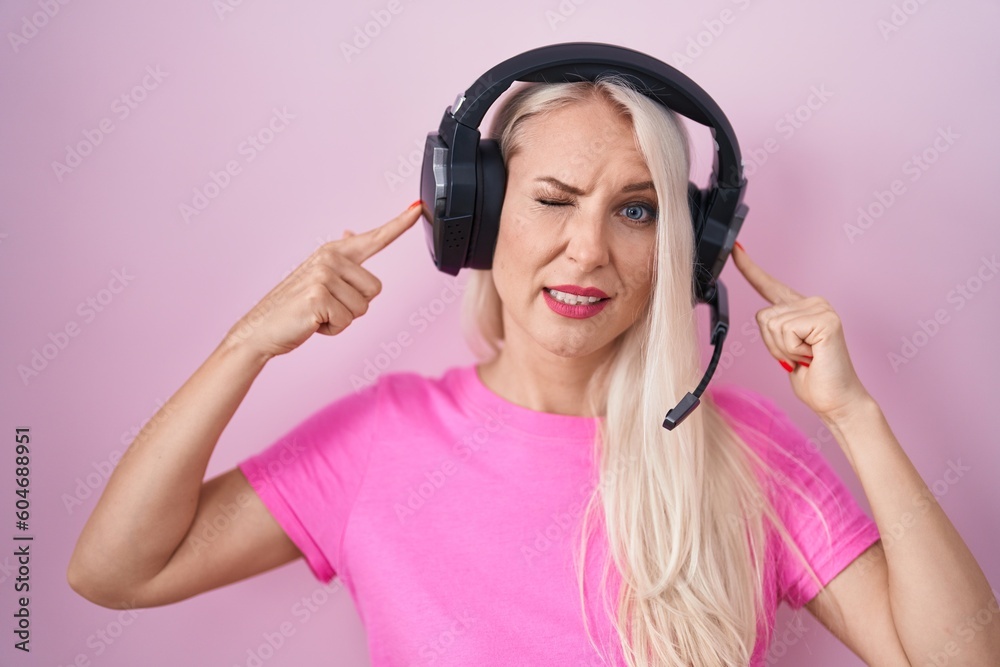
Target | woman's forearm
(151,497)
(935,583)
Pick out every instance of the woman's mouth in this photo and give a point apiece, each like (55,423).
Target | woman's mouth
(571,305)
(573,299)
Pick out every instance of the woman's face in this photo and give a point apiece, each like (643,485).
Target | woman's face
(579,210)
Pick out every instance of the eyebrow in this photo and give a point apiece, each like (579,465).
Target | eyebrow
(632,187)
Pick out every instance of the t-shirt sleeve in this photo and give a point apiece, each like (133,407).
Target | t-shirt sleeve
(308,479)
(800,464)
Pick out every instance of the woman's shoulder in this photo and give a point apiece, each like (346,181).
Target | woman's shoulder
(745,406)
(763,423)
(406,394)
(413,384)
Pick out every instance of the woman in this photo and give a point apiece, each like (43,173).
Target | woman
(531,509)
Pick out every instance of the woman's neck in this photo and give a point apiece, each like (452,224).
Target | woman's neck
(542,381)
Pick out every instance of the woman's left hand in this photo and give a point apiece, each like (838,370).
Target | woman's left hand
(806,334)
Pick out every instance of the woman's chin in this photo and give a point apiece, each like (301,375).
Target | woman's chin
(573,344)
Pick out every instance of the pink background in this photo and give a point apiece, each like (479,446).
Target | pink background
(357,119)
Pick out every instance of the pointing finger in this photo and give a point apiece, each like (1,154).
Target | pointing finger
(767,286)
(359,247)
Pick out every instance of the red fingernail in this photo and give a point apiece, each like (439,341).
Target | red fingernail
(740,245)
(416,203)
(807,357)
(784,364)
(804,364)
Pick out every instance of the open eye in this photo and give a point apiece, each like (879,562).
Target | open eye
(635,210)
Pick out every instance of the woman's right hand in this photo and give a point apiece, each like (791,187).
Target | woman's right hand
(325,293)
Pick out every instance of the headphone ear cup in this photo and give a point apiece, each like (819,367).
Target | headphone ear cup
(702,277)
(490,189)
(695,199)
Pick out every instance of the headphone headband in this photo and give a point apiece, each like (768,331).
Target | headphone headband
(577,61)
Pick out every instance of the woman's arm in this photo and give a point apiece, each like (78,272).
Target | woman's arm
(941,604)
(926,594)
(142,540)
(152,497)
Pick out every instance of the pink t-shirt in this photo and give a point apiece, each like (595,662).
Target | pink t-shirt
(448,513)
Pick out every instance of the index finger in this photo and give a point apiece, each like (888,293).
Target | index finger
(360,247)
(766,285)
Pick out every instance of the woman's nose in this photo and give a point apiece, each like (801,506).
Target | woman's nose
(588,243)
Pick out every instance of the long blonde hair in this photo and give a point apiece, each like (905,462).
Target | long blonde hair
(684,510)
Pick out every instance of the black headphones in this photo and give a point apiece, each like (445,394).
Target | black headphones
(463,179)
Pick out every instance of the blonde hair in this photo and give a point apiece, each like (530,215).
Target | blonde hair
(684,510)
